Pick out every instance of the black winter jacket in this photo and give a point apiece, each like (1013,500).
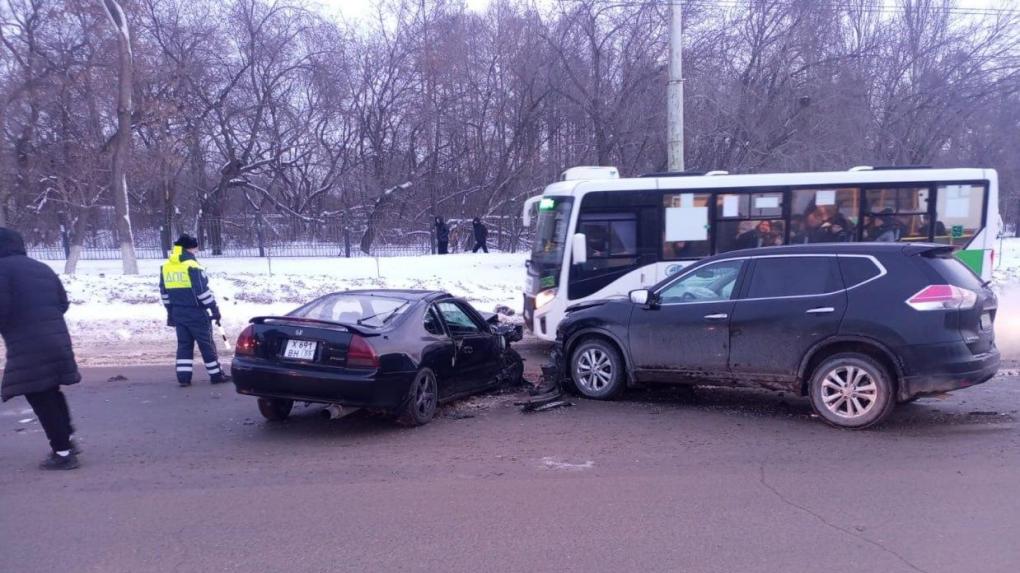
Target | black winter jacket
(32,307)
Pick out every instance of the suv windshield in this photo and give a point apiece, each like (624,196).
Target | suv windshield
(550,238)
(360,309)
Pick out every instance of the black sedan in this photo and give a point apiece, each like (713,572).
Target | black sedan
(399,351)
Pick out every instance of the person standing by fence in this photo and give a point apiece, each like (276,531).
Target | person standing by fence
(481,235)
(442,236)
(191,308)
(40,357)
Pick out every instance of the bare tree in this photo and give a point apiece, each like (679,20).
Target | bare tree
(121,143)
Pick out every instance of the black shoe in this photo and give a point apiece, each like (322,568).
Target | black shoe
(221,379)
(57,462)
(75,449)
(184,384)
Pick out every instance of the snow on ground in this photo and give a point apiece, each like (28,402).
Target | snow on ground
(119,319)
(1006,281)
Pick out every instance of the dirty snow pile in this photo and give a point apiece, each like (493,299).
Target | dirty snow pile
(112,314)
(1006,281)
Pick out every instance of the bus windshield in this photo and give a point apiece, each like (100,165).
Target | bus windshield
(551,231)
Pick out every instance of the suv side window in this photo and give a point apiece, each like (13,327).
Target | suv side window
(794,276)
(709,283)
(857,270)
(457,319)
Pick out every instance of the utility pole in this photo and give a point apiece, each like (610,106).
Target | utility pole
(675,87)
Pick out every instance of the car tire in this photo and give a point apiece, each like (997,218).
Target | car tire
(275,409)
(597,369)
(512,370)
(422,399)
(852,391)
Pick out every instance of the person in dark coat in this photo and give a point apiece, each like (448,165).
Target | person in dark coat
(40,358)
(442,236)
(760,236)
(190,308)
(481,234)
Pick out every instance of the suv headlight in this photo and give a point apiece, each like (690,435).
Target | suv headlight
(545,297)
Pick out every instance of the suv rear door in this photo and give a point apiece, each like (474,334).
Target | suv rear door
(789,303)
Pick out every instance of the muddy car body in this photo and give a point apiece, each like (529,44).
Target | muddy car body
(855,327)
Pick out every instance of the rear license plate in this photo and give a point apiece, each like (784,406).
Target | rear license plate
(986,321)
(300,350)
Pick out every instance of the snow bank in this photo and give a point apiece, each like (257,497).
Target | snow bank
(1006,279)
(111,310)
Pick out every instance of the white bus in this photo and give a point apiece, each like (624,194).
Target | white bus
(598,235)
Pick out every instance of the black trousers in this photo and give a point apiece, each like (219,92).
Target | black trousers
(444,247)
(480,245)
(194,326)
(51,408)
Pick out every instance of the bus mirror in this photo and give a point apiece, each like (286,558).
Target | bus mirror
(579,248)
(640,296)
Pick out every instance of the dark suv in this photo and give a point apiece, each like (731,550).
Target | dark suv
(856,327)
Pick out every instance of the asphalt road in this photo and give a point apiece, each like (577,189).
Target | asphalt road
(714,480)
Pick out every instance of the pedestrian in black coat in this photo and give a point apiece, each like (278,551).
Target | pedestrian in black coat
(481,234)
(40,358)
(442,236)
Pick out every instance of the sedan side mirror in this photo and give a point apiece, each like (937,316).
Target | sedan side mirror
(641,296)
(579,248)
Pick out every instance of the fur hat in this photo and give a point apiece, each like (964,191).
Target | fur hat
(186,241)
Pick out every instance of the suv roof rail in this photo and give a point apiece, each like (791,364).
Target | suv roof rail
(675,174)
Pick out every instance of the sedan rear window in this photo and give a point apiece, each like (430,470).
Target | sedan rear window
(359,309)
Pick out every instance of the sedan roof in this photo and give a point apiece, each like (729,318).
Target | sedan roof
(402,294)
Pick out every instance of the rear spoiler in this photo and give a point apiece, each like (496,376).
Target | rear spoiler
(929,250)
(311,321)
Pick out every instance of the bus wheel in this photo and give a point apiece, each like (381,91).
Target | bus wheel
(597,369)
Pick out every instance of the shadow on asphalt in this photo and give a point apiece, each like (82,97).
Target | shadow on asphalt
(927,412)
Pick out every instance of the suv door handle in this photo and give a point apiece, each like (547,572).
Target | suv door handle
(719,316)
(467,349)
(821,310)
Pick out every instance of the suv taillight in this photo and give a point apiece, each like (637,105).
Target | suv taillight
(360,354)
(943,297)
(246,342)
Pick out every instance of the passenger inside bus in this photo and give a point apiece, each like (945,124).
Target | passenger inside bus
(821,225)
(762,235)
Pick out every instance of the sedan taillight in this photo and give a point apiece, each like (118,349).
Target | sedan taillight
(943,297)
(246,342)
(360,354)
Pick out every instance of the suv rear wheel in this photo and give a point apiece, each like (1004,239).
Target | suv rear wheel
(597,369)
(852,390)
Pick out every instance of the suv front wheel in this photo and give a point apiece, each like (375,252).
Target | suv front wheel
(597,369)
(852,390)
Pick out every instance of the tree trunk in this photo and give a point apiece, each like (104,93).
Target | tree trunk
(78,230)
(122,141)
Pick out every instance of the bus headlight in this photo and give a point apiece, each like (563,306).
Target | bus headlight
(545,297)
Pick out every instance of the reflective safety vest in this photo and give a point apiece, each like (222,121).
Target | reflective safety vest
(182,282)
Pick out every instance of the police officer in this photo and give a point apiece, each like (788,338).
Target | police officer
(191,308)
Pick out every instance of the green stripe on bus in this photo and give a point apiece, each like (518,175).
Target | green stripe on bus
(973,258)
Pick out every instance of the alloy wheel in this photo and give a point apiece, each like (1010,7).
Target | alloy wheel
(425,395)
(594,370)
(849,391)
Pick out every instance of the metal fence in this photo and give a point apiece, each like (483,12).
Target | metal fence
(242,236)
